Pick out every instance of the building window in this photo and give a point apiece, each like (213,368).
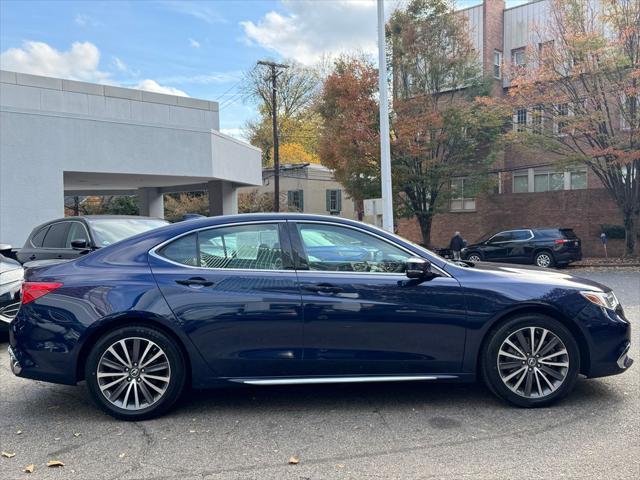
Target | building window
(578,179)
(548,181)
(462,195)
(520,118)
(334,201)
(521,182)
(295,200)
(518,57)
(497,64)
(560,124)
(537,119)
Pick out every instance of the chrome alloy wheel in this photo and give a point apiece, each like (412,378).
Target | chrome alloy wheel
(133,373)
(543,260)
(533,362)
(474,257)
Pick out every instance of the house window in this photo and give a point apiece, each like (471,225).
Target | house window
(295,200)
(548,181)
(462,195)
(334,201)
(520,120)
(537,119)
(520,182)
(560,124)
(578,179)
(518,57)
(497,64)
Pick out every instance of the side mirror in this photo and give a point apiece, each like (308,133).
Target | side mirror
(418,269)
(79,244)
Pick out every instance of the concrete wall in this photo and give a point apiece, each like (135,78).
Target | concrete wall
(50,126)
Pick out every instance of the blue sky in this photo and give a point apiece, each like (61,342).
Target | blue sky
(194,47)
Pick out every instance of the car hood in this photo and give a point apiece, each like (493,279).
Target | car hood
(533,275)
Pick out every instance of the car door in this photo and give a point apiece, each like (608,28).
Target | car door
(520,247)
(497,247)
(363,316)
(54,245)
(234,291)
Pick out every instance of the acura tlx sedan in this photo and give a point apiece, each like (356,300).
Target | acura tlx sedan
(281,299)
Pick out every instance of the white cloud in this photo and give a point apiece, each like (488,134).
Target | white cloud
(84,20)
(80,62)
(311,28)
(197,9)
(153,86)
(194,43)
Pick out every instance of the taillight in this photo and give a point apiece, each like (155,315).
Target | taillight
(34,290)
(560,241)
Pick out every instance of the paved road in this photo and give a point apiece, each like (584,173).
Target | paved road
(338,432)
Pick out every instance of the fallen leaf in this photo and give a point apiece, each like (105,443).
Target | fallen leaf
(192,431)
(77,434)
(8,454)
(339,465)
(55,463)
(29,468)
(122,455)
(19,432)
(294,460)
(56,438)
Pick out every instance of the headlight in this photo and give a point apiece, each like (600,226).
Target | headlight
(602,299)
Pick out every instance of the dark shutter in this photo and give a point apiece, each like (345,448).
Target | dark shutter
(328,196)
(338,201)
(301,193)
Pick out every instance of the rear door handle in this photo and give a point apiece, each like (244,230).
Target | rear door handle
(322,288)
(195,282)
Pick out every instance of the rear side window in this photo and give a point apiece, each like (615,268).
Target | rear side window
(38,238)
(184,250)
(56,237)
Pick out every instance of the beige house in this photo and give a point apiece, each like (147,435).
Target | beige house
(304,187)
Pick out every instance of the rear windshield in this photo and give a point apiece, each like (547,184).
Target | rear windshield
(111,230)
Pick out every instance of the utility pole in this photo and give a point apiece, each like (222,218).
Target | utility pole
(385,148)
(274,120)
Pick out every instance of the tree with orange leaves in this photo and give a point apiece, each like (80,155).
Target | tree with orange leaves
(581,84)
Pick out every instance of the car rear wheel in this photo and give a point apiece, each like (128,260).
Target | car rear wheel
(135,372)
(531,361)
(544,259)
(474,257)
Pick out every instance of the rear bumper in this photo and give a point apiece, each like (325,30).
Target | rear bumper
(567,257)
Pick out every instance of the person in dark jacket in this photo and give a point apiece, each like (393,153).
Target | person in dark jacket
(457,243)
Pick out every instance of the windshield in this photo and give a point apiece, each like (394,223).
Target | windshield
(111,230)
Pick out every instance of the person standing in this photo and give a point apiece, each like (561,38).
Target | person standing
(456,245)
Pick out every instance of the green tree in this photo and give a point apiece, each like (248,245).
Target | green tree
(443,127)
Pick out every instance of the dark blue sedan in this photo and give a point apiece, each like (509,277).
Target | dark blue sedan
(272,299)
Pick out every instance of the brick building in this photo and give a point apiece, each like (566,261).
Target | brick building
(530,189)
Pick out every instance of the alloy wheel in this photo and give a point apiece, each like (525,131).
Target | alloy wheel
(133,373)
(474,258)
(543,260)
(533,362)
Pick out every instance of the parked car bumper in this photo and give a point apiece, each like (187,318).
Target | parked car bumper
(564,258)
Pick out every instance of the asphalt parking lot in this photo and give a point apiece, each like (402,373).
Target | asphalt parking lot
(364,431)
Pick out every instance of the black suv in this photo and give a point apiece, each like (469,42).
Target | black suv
(70,237)
(544,247)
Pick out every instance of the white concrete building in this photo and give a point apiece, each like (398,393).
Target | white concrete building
(62,137)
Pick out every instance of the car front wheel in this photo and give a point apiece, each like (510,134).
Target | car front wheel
(474,257)
(135,372)
(531,361)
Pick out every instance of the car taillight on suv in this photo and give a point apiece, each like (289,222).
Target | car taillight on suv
(33,290)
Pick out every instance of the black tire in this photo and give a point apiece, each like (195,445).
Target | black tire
(474,254)
(174,357)
(493,343)
(544,259)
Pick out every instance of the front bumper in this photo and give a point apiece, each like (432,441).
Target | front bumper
(624,360)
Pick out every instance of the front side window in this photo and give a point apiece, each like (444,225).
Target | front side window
(77,231)
(253,247)
(334,248)
(520,235)
(57,235)
(501,237)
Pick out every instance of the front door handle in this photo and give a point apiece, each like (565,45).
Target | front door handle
(195,282)
(323,288)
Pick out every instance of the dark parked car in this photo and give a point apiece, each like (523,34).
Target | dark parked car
(70,237)
(543,247)
(241,300)
(11,275)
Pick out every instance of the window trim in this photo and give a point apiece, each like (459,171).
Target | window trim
(286,250)
(513,230)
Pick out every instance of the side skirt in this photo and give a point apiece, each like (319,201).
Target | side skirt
(321,380)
